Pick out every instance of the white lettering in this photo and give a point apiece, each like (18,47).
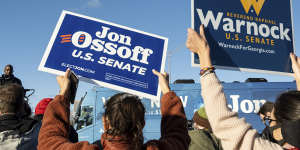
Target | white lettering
(235,103)
(135,52)
(76,55)
(252,28)
(142,71)
(273,29)
(83,39)
(262,28)
(239,24)
(97,45)
(244,105)
(112,36)
(87,39)
(104,32)
(123,38)
(155,102)
(126,67)
(210,18)
(109,62)
(258,104)
(121,51)
(102,60)
(254,25)
(110,48)
(228,26)
(184,100)
(118,64)
(284,32)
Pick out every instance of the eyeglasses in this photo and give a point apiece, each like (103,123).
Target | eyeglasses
(268,120)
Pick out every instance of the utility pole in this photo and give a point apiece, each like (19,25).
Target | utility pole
(169,56)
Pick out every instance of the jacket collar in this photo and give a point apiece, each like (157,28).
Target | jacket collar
(7,77)
(12,122)
(9,122)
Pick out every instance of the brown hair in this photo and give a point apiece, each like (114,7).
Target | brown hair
(126,116)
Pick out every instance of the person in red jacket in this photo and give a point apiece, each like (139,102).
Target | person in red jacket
(123,134)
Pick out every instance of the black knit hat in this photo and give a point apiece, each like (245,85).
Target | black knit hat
(290,132)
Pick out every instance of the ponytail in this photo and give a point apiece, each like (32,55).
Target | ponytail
(126,115)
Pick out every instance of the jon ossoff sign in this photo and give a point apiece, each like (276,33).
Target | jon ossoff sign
(248,35)
(106,54)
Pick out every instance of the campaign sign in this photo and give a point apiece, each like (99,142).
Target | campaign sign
(247,35)
(106,54)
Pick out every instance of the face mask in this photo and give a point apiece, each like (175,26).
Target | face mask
(271,129)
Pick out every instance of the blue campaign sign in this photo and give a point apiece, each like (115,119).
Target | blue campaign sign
(106,54)
(247,35)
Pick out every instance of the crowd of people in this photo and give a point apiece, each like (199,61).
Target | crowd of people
(215,125)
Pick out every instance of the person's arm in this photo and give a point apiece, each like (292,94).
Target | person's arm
(174,132)
(296,68)
(234,133)
(54,132)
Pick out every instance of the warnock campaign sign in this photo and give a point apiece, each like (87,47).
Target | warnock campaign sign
(247,35)
(106,54)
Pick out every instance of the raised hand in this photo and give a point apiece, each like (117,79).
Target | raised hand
(296,68)
(64,83)
(163,81)
(197,43)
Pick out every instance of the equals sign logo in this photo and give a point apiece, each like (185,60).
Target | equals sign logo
(67,38)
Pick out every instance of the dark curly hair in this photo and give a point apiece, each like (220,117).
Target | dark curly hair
(265,108)
(287,106)
(126,116)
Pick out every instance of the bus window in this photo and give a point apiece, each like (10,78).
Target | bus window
(86,117)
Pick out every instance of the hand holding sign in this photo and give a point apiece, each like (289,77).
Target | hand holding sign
(296,68)
(163,81)
(67,85)
(197,43)
(64,83)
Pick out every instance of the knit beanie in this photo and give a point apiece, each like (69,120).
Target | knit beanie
(42,105)
(290,132)
(200,118)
